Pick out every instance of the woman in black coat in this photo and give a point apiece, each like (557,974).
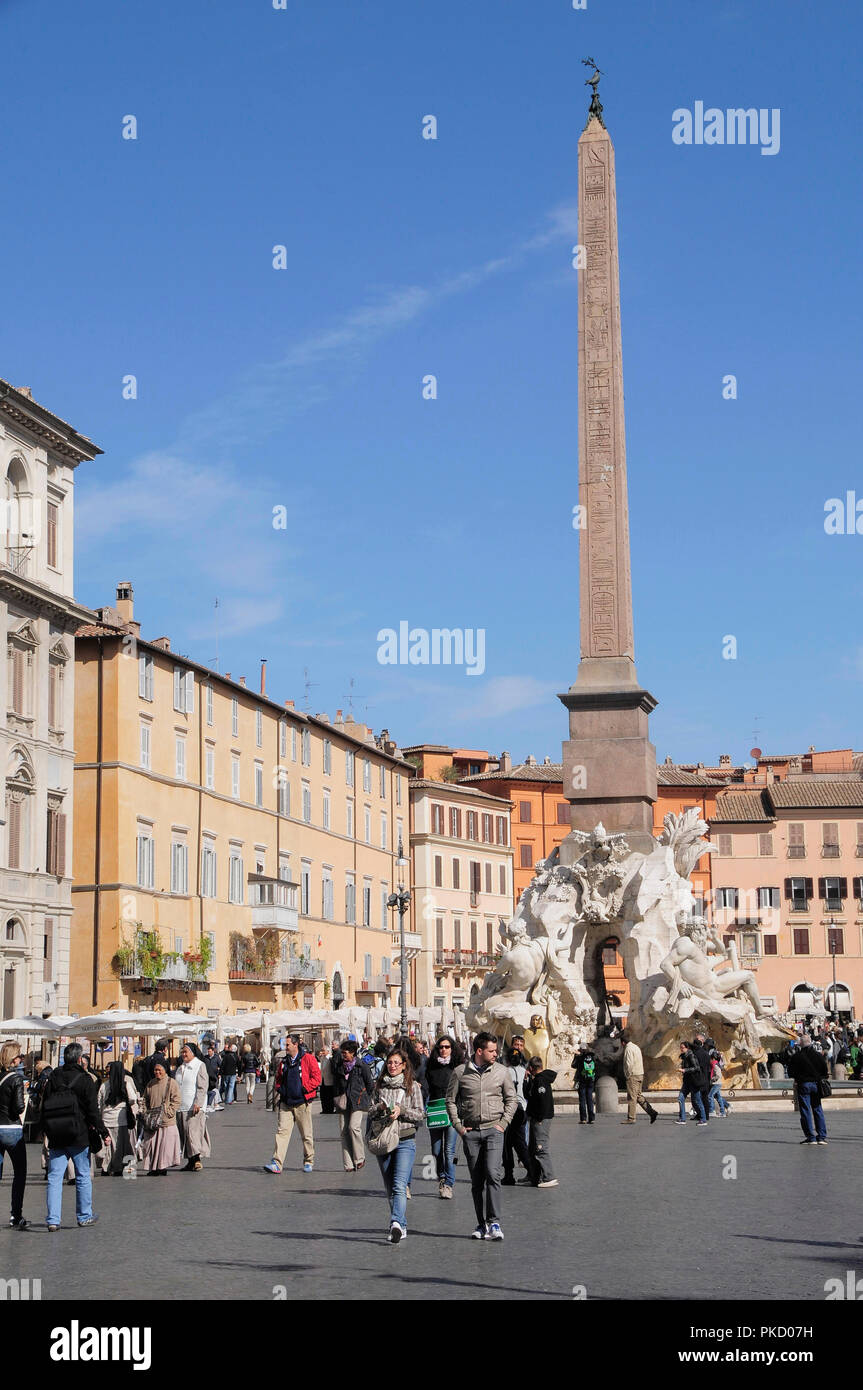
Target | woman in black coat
(12,1129)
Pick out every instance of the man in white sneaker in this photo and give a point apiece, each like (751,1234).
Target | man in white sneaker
(481,1102)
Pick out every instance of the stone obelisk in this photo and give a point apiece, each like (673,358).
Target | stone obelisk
(609,764)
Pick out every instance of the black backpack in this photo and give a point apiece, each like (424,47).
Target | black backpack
(62,1118)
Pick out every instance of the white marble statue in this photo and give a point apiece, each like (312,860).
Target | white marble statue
(552,964)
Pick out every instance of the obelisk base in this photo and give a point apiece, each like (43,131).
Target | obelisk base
(609,763)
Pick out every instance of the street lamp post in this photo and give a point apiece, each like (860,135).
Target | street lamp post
(401,900)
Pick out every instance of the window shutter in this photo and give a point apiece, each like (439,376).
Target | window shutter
(18,680)
(142,676)
(52,535)
(843,888)
(190,691)
(788,888)
(809,887)
(49,851)
(822,888)
(60,853)
(178,688)
(735,899)
(14,815)
(858,887)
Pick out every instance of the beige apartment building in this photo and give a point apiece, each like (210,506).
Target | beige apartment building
(462,876)
(230,852)
(39,454)
(788,883)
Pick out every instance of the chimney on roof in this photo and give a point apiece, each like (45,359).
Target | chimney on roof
(669,761)
(242,680)
(263,675)
(338,716)
(324,717)
(530,760)
(546,762)
(227,675)
(126,600)
(724,759)
(163,643)
(505,762)
(289,704)
(24,391)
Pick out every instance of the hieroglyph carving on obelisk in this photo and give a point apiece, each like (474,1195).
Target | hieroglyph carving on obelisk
(606,586)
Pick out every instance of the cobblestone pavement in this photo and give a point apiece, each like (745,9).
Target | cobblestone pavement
(641,1212)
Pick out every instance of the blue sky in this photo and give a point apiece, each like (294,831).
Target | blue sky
(302,387)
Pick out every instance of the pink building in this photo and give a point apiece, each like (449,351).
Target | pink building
(788,885)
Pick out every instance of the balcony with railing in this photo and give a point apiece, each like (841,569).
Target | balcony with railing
(265,968)
(829,851)
(413,942)
(796,851)
(374,984)
(152,968)
(274,903)
(464,960)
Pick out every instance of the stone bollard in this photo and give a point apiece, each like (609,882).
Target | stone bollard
(606,1095)
(777,1071)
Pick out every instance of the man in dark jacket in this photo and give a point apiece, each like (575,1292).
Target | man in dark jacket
(298,1079)
(584,1066)
(142,1070)
(702,1081)
(540,1112)
(229,1067)
(211,1062)
(12,1102)
(808,1067)
(69,1115)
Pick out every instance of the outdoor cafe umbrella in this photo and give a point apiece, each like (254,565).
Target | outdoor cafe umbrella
(31,1026)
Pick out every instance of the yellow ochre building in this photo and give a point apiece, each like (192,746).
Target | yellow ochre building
(229,852)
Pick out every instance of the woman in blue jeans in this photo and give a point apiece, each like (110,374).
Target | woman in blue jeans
(445,1056)
(397,1093)
(12,1129)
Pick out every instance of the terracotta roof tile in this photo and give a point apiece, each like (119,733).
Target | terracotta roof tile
(733,807)
(807,791)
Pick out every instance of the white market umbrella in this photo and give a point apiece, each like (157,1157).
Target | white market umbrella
(30,1026)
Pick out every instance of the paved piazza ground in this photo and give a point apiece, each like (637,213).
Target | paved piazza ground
(641,1212)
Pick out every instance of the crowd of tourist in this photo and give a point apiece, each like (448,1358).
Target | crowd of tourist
(496,1099)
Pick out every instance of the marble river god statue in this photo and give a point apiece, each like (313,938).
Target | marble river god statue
(682,978)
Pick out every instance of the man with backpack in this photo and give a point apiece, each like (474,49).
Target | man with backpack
(297,1082)
(584,1066)
(70,1114)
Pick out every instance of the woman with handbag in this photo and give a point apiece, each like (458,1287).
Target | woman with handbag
(119,1103)
(160,1138)
(353,1084)
(12,1106)
(395,1115)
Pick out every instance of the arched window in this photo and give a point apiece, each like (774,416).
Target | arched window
(18,521)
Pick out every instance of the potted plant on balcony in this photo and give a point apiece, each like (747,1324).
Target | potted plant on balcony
(123,962)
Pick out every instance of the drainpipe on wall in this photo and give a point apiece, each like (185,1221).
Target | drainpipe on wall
(97,866)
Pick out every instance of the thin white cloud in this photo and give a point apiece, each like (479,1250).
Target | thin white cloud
(214,512)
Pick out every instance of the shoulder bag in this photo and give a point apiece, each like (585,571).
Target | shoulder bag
(824,1087)
(382,1135)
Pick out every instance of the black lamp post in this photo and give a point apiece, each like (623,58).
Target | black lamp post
(401,900)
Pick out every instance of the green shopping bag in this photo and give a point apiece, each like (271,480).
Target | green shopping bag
(437,1116)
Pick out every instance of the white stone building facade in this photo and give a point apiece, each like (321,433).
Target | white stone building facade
(38,456)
